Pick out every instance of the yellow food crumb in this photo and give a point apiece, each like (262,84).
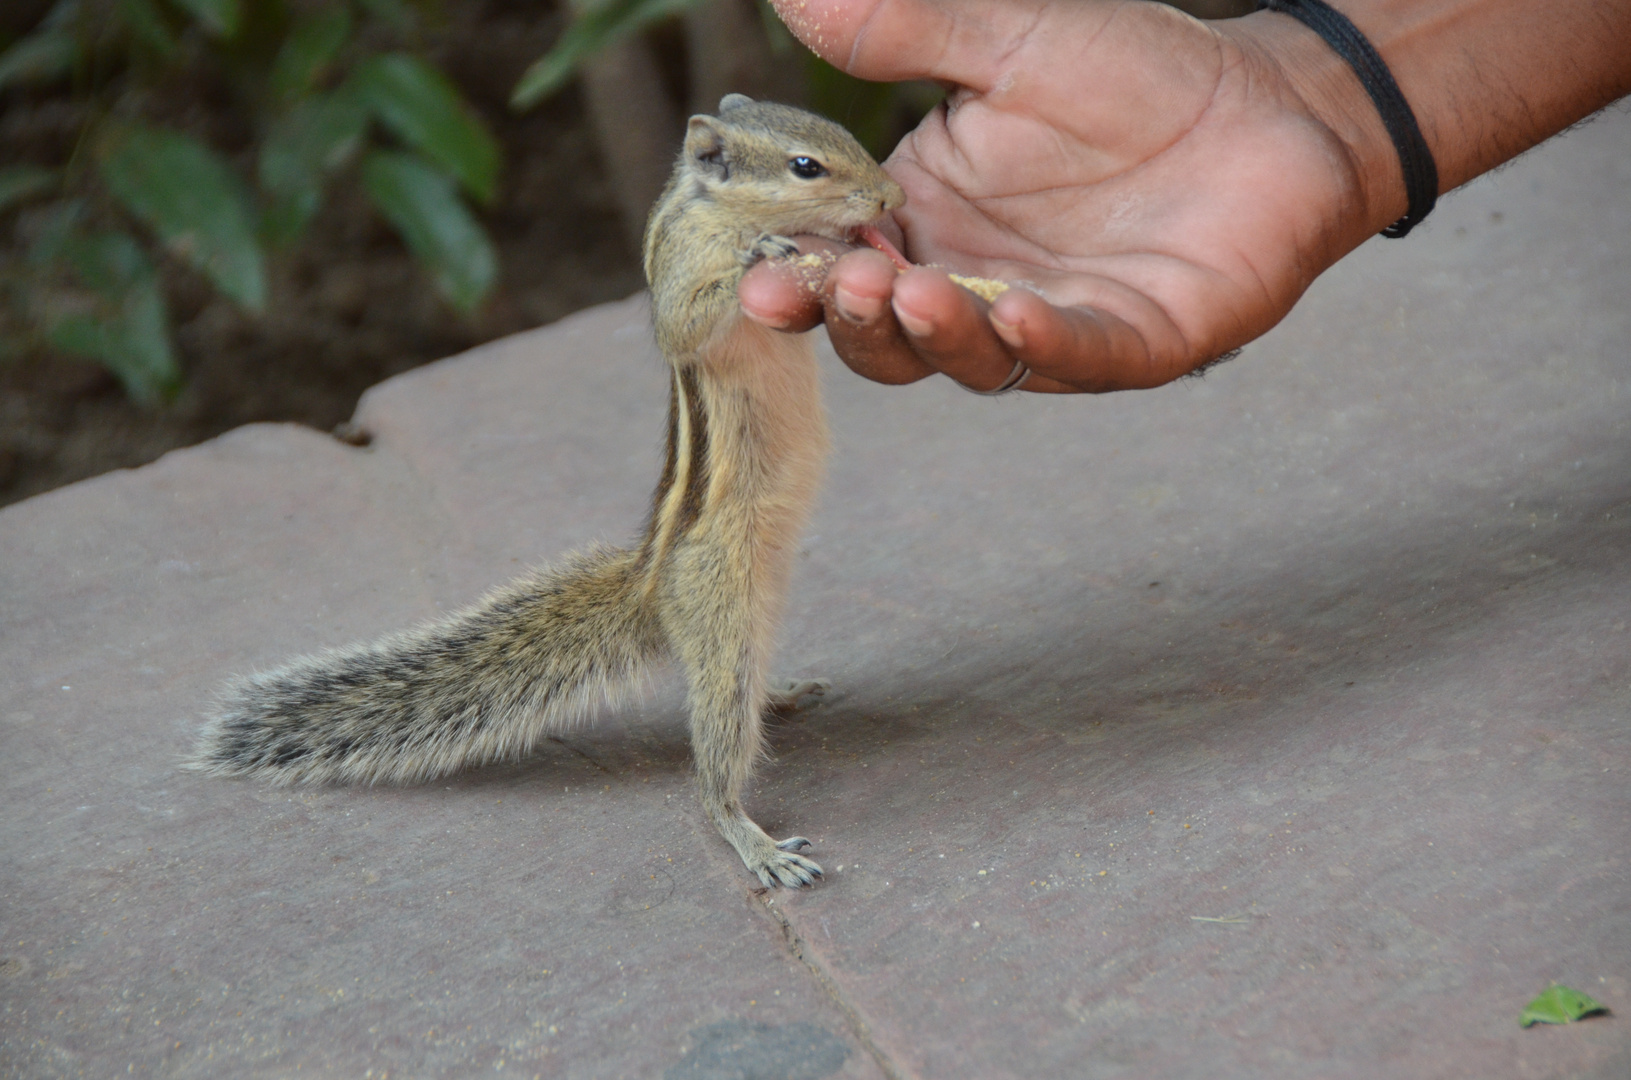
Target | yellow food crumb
(987,289)
(812,269)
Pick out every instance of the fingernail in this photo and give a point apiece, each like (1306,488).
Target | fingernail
(1009,333)
(912,324)
(855,307)
(775,322)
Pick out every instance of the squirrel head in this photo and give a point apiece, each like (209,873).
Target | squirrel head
(786,170)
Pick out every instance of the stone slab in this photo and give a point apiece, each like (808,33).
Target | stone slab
(566,917)
(1274,724)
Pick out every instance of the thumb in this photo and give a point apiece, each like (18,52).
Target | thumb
(957,41)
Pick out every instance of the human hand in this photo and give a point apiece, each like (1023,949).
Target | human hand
(1167,189)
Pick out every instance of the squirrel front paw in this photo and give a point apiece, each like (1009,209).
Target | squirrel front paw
(768,246)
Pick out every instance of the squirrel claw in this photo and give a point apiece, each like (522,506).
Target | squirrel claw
(785,694)
(768,246)
(779,866)
(792,871)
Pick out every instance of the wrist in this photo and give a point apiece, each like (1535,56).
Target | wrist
(1330,93)
(1485,79)
(1416,163)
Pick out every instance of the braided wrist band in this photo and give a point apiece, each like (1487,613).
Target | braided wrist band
(1420,171)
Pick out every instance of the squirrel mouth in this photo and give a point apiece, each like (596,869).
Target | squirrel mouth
(873,238)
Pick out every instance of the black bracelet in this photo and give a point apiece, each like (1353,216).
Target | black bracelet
(1420,171)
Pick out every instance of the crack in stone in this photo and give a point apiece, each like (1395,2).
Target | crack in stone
(584,754)
(795,946)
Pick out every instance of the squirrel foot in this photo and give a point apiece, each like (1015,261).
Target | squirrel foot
(782,866)
(768,246)
(772,862)
(785,694)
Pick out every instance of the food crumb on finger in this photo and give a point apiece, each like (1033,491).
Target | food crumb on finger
(812,268)
(988,289)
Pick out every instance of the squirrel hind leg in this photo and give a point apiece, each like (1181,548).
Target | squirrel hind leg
(726,735)
(773,862)
(784,694)
(710,632)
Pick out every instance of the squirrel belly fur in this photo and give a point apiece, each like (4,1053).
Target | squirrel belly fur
(704,587)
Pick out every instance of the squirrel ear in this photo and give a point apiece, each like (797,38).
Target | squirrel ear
(733,101)
(705,145)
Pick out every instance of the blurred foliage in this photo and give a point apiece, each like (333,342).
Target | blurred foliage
(334,92)
(423,203)
(872,111)
(598,24)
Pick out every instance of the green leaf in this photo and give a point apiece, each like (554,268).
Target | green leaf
(315,137)
(19,183)
(150,27)
(423,203)
(1560,1005)
(134,345)
(108,262)
(194,201)
(595,27)
(56,229)
(129,334)
(393,13)
(423,109)
(309,49)
(220,17)
(39,57)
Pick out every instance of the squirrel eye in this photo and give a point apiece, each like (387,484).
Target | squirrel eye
(806,168)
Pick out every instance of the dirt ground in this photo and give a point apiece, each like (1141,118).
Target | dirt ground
(349,306)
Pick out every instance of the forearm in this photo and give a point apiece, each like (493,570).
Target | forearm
(1486,79)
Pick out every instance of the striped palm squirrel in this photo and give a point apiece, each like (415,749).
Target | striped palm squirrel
(746,445)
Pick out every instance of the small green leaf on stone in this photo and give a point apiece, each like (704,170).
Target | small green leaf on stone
(1560,1005)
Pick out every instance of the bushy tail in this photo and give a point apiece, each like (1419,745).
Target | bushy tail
(485,683)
